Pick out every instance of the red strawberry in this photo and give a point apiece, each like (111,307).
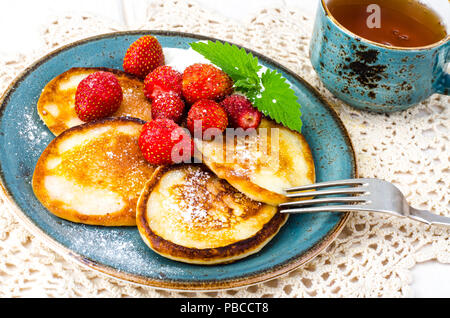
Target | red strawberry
(168,105)
(98,95)
(162,79)
(208,114)
(241,111)
(163,142)
(205,81)
(143,56)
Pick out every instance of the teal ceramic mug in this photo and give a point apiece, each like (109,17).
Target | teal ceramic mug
(376,77)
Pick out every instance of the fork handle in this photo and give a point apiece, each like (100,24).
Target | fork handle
(423,216)
(428,217)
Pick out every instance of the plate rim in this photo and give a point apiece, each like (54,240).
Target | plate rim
(208,285)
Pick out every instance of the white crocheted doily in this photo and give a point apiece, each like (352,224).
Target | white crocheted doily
(373,255)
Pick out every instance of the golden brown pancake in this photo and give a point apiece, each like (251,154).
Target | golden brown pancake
(262,164)
(56,105)
(94,173)
(187,214)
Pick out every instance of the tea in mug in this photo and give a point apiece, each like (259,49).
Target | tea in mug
(403,23)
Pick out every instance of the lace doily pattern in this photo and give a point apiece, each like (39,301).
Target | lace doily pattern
(373,255)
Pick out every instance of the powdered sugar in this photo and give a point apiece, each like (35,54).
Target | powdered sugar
(31,131)
(191,198)
(33,137)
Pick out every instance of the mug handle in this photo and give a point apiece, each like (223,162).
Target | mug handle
(443,85)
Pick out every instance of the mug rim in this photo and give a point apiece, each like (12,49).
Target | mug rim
(389,47)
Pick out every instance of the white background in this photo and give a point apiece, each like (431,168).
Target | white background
(19,33)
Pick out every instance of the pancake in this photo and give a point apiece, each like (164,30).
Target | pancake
(261,165)
(94,173)
(56,105)
(187,214)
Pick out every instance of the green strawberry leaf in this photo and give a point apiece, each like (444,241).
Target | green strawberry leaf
(237,63)
(278,101)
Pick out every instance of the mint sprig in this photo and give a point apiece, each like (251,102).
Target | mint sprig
(269,92)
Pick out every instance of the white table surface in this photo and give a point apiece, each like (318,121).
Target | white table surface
(20,19)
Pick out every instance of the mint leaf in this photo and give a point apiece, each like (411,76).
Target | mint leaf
(246,84)
(237,63)
(270,92)
(278,101)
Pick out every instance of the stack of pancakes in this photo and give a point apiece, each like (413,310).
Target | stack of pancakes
(217,211)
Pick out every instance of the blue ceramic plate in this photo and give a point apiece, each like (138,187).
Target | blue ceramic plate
(119,251)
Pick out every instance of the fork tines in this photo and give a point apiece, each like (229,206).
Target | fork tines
(352,191)
(348,182)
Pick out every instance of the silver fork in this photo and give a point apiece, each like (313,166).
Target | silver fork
(366,195)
